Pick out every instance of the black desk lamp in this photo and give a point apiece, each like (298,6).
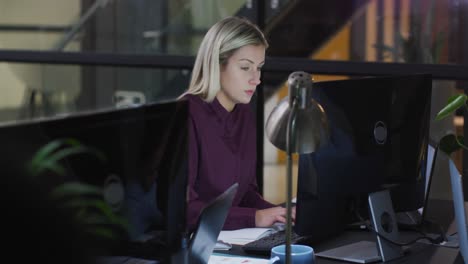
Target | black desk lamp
(298,124)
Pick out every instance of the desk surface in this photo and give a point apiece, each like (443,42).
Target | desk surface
(418,252)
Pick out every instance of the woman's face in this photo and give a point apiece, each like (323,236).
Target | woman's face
(240,76)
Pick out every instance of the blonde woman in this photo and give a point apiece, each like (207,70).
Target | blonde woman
(222,143)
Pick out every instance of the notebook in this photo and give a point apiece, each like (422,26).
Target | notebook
(210,223)
(245,235)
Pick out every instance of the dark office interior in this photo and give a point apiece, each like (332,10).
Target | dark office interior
(72,72)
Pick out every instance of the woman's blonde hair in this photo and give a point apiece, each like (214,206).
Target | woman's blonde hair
(218,45)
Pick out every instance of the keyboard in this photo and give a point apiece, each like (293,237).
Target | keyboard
(264,245)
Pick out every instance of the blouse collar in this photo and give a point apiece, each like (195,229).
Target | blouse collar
(219,109)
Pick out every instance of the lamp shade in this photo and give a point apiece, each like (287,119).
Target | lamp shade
(308,118)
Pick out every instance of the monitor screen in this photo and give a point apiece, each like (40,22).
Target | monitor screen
(143,175)
(379,131)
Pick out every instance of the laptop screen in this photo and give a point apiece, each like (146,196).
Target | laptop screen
(210,223)
(460,209)
(439,194)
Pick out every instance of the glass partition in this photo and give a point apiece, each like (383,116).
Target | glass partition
(411,31)
(32,91)
(389,31)
(407,31)
(126,26)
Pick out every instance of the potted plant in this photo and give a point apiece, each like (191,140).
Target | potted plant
(84,201)
(98,225)
(451,143)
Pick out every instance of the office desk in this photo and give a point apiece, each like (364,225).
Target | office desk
(418,252)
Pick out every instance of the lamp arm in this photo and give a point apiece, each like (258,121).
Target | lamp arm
(290,134)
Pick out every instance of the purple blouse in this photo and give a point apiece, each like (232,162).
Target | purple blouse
(222,151)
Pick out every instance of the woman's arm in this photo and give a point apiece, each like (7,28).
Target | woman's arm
(247,213)
(252,198)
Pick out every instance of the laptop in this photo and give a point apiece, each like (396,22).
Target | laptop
(422,217)
(355,253)
(432,157)
(459,207)
(437,217)
(203,240)
(210,224)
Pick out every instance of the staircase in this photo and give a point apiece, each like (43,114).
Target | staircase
(302,27)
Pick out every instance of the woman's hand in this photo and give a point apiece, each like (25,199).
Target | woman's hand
(267,217)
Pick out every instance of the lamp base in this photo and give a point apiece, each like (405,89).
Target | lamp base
(384,221)
(359,252)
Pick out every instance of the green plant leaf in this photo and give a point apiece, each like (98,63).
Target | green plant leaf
(48,165)
(43,152)
(98,219)
(42,155)
(52,160)
(102,232)
(48,157)
(94,212)
(453,104)
(86,203)
(83,201)
(451,143)
(91,205)
(52,146)
(75,188)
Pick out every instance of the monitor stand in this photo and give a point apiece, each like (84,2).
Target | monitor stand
(452,241)
(384,222)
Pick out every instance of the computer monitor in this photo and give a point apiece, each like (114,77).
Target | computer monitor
(379,131)
(144,174)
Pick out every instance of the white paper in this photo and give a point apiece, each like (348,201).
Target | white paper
(222,245)
(245,235)
(225,259)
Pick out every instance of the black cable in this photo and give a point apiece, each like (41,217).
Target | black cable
(439,227)
(433,241)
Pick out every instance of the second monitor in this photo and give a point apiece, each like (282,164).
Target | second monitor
(379,131)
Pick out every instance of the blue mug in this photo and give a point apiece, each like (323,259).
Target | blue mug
(300,254)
